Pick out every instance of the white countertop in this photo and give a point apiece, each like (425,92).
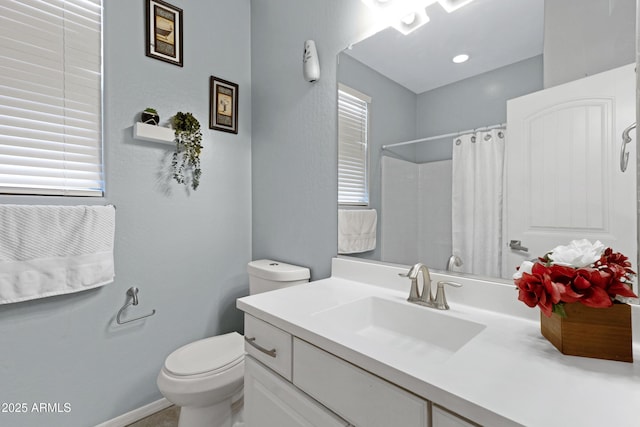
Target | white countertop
(506,375)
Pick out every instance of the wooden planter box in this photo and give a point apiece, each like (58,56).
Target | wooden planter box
(601,333)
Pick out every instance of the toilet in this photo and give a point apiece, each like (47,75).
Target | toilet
(205,378)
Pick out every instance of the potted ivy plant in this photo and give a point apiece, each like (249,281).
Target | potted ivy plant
(186,158)
(150,116)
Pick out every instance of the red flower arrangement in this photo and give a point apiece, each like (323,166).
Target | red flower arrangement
(580,272)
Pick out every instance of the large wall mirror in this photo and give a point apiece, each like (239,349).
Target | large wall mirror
(474,167)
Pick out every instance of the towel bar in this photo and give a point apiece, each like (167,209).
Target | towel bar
(132,293)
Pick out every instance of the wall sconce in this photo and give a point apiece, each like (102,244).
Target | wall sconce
(310,62)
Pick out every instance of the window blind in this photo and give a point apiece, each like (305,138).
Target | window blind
(353,130)
(51,97)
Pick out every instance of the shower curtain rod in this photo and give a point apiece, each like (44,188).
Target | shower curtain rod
(446,135)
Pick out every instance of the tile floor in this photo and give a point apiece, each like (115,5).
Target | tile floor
(165,418)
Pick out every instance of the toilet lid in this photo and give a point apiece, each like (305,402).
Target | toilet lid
(209,354)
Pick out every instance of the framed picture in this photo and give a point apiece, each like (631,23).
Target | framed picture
(223,105)
(164,32)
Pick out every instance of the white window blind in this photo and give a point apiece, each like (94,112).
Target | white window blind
(353,130)
(51,97)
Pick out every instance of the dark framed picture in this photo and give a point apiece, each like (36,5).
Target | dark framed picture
(164,32)
(223,105)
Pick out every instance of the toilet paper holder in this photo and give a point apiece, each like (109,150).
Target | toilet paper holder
(132,299)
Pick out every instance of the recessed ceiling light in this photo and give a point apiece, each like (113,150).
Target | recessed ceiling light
(459,59)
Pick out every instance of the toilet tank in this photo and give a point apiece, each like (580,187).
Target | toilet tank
(268,275)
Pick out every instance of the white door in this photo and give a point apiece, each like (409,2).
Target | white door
(269,401)
(563,177)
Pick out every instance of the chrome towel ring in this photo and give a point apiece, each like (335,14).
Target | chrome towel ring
(132,299)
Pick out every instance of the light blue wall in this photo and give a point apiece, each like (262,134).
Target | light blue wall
(186,252)
(474,102)
(586,37)
(294,140)
(392,119)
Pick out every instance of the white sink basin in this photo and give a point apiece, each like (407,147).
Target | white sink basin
(400,326)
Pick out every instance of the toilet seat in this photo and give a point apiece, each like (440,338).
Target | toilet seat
(208,356)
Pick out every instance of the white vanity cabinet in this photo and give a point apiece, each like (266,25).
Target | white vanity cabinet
(358,396)
(351,345)
(270,401)
(289,382)
(270,398)
(269,345)
(442,418)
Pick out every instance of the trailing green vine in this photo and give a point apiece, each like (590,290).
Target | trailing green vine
(186,159)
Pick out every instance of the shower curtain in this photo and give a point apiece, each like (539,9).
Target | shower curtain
(478,160)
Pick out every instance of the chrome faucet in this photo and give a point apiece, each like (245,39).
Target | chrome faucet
(454,261)
(441,300)
(424,296)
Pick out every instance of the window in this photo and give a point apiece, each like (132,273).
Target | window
(51,97)
(353,130)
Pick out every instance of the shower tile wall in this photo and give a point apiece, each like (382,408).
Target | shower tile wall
(416,212)
(399,213)
(434,213)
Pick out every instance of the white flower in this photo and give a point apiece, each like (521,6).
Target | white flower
(525,267)
(577,254)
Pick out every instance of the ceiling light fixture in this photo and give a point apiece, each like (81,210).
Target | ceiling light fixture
(409,19)
(388,12)
(451,5)
(412,21)
(408,15)
(395,5)
(459,59)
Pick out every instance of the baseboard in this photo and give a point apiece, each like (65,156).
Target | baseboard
(137,414)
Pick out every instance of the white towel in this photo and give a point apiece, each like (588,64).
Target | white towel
(53,250)
(356,230)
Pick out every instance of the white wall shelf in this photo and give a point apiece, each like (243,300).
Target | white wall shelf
(153,133)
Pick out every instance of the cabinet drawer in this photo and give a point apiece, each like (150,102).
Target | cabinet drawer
(443,418)
(354,394)
(268,344)
(270,401)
